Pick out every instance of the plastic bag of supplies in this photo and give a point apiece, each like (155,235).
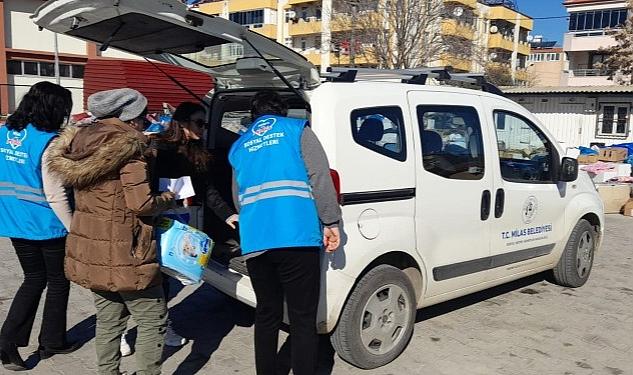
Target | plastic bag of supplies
(183,251)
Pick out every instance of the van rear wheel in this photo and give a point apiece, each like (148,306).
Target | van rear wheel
(377,321)
(575,264)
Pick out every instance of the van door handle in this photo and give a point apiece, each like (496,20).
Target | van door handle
(485,205)
(500,203)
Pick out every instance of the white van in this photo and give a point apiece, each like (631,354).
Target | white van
(445,191)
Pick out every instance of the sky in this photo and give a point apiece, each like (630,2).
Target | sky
(553,29)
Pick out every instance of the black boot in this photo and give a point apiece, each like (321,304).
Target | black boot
(11,359)
(46,353)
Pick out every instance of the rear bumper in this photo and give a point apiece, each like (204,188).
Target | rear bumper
(230,282)
(335,286)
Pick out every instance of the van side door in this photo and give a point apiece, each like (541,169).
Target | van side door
(529,205)
(454,181)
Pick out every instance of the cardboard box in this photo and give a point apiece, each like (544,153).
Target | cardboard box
(614,154)
(587,159)
(603,177)
(628,208)
(614,197)
(624,170)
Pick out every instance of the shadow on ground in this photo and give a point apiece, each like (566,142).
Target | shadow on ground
(82,333)
(206,317)
(472,299)
(327,353)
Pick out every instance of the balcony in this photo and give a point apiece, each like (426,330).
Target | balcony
(314,56)
(501,42)
(269,31)
(295,2)
(503,13)
(587,77)
(304,27)
(590,73)
(467,3)
(456,62)
(454,28)
(217,7)
(524,48)
(588,40)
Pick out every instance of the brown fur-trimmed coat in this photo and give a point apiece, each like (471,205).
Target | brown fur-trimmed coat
(111,246)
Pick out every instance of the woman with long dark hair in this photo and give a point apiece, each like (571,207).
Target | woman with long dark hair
(35,213)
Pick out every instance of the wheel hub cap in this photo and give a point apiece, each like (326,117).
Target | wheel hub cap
(385,318)
(584,254)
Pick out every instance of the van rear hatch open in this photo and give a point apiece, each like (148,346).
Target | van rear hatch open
(169,32)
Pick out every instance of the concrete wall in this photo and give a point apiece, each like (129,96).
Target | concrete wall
(24,83)
(22,33)
(547,73)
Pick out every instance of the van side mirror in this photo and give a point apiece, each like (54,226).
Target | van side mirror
(568,170)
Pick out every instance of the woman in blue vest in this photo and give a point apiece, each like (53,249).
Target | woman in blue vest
(35,214)
(288,212)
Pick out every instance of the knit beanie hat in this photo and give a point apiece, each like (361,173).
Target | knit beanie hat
(125,104)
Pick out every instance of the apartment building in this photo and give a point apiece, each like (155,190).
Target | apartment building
(497,31)
(592,24)
(546,62)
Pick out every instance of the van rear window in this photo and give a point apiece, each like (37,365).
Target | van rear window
(237,121)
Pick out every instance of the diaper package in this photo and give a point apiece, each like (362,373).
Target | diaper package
(183,251)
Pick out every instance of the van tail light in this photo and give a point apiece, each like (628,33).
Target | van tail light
(336,179)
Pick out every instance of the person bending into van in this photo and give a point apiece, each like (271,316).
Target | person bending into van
(36,215)
(180,152)
(111,248)
(288,211)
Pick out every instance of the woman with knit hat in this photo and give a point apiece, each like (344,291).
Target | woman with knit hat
(111,248)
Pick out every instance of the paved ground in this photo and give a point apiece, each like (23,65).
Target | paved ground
(527,327)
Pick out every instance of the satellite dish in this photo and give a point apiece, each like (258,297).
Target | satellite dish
(530,38)
(494,29)
(493,56)
(458,12)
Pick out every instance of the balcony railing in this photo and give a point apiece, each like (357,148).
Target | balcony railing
(590,72)
(604,32)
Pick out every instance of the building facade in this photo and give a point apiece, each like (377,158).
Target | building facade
(592,24)
(27,56)
(497,32)
(546,63)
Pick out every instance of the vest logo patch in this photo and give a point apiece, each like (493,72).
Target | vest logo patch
(263,126)
(15,139)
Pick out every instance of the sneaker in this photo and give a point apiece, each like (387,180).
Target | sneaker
(125,348)
(172,338)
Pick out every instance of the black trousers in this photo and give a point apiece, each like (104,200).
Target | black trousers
(43,266)
(292,273)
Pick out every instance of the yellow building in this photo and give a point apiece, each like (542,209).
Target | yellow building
(494,34)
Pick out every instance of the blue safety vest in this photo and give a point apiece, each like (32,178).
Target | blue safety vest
(24,210)
(277,206)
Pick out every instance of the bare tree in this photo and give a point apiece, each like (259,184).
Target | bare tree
(499,74)
(619,64)
(394,33)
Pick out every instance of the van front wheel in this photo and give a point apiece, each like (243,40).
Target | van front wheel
(377,321)
(575,264)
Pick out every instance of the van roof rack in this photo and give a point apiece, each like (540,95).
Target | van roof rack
(418,76)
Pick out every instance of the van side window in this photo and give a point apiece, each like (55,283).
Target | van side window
(380,129)
(524,151)
(452,142)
